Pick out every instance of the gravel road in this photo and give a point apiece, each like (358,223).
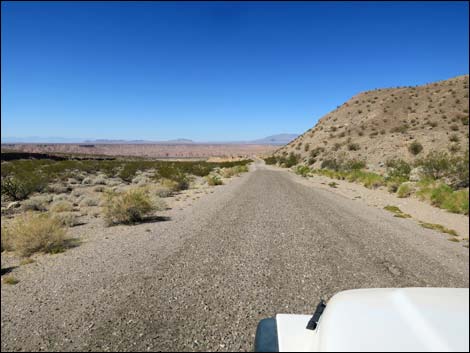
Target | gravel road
(264,244)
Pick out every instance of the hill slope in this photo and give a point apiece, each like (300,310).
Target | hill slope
(381,124)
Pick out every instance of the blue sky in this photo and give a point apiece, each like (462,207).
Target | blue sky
(212,71)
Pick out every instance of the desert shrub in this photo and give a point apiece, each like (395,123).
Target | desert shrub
(368,179)
(241,169)
(270,160)
(439,165)
(162,191)
(22,184)
(454,127)
(129,207)
(316,152)
(62,206)
(353,164)
(58,188)
(88,201)
(464,120)
(99,180)
(405,190)
(454,138)
(32,233)
(67,219)
(415,148)
(99,188)
(354,147)
(393,185)
(36,203)
(291,160)
(182,182)
(400,129)
(436,164)
(128,171)
(398,168)
(311,161)
(213,180)
(444,196)
(87,181)
(331,164)
(228,172)
(6,238)
(456,202)
(460,166)
(302,170)
(77,192)
(454,148)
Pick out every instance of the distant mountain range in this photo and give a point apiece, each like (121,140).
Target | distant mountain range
(280,139)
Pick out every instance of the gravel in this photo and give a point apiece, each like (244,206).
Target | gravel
(203,277)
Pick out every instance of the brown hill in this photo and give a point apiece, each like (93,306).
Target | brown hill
(382,124)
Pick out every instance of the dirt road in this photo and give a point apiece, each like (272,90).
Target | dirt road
(262,245)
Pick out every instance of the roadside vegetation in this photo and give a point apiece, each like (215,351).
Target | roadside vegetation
(439,178)
(43,198)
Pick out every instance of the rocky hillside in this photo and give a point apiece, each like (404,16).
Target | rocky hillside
(381,124)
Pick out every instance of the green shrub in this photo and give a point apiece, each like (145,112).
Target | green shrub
(405,190)
(372,180)
(354,164)
(457,202)
(331,164)
(270,160)
(213,180)
(316,152)
(131,206)
(398,168)
(415,148)
(20,185)
(439,165)
(436,165)
(302,170)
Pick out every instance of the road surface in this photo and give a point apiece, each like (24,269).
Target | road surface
(261,245)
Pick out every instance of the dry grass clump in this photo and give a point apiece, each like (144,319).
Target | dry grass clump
(128,207)
(37,203)
(88,201)
(439,228)
(213,180)
(58,188)
(10,280)
(67,219)
(77,192)
(396,211)
(31,233)
(162,191)
(62,206)
(405,190)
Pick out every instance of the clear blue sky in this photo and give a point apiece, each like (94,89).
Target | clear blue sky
(212,71)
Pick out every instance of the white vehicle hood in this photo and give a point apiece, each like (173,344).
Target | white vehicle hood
(409,319)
